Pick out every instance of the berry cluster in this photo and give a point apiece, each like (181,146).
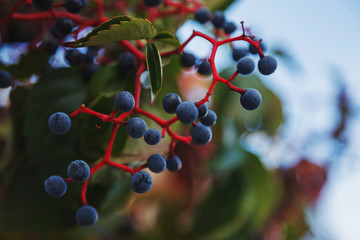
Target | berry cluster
(127,104)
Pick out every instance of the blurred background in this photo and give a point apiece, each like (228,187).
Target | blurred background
(288,170)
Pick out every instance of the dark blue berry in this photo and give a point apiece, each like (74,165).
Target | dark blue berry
(239,53)
(126,61)
(5,79)
(218,19)
(86,216)
(209,119)
(203,110)
(141,182)
(124,101)
(42,5)
(156,163)
(173,163)
(50,45)
(204,68)
(74,57)
(267,65)
(61,27)
(74,6)
(253,50)
(187,60)
(251,99)
(90,55)
(152,136)
(170,102)
(201,135)
(187,112)
(55,186)
(245,66)
(202,15)
(229,27)
(78,171)
(136,127)
(59,123)
(152,3)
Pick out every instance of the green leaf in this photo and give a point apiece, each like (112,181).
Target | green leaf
(117,29)
(95,134)
(154,66)
(32,62)
(242,197)
(167,38)
(214,5)
(109,79)
(37,153)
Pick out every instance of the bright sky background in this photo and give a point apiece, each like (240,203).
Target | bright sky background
(323,37)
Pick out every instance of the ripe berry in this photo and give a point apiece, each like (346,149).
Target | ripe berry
(229,27)
(141,182)
(204,68)
(74,57)
(74,6)
(86,216)
(239,53)
(156,163)
(209,119)
(5,79)
(170,102)
(187,60)
(201,135)
(55,186)
(136,127)
(203,110)
(90,55)
(187,112)
(202,15)
(152,3)
(218,19)
(253,50)
(173,163)
(61,27)
(245,66)
(78,171)
(251,99)
(42,5)
(152,136)
(59,123)
(267,65)
(126,61)
(50,45)
(124,101)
